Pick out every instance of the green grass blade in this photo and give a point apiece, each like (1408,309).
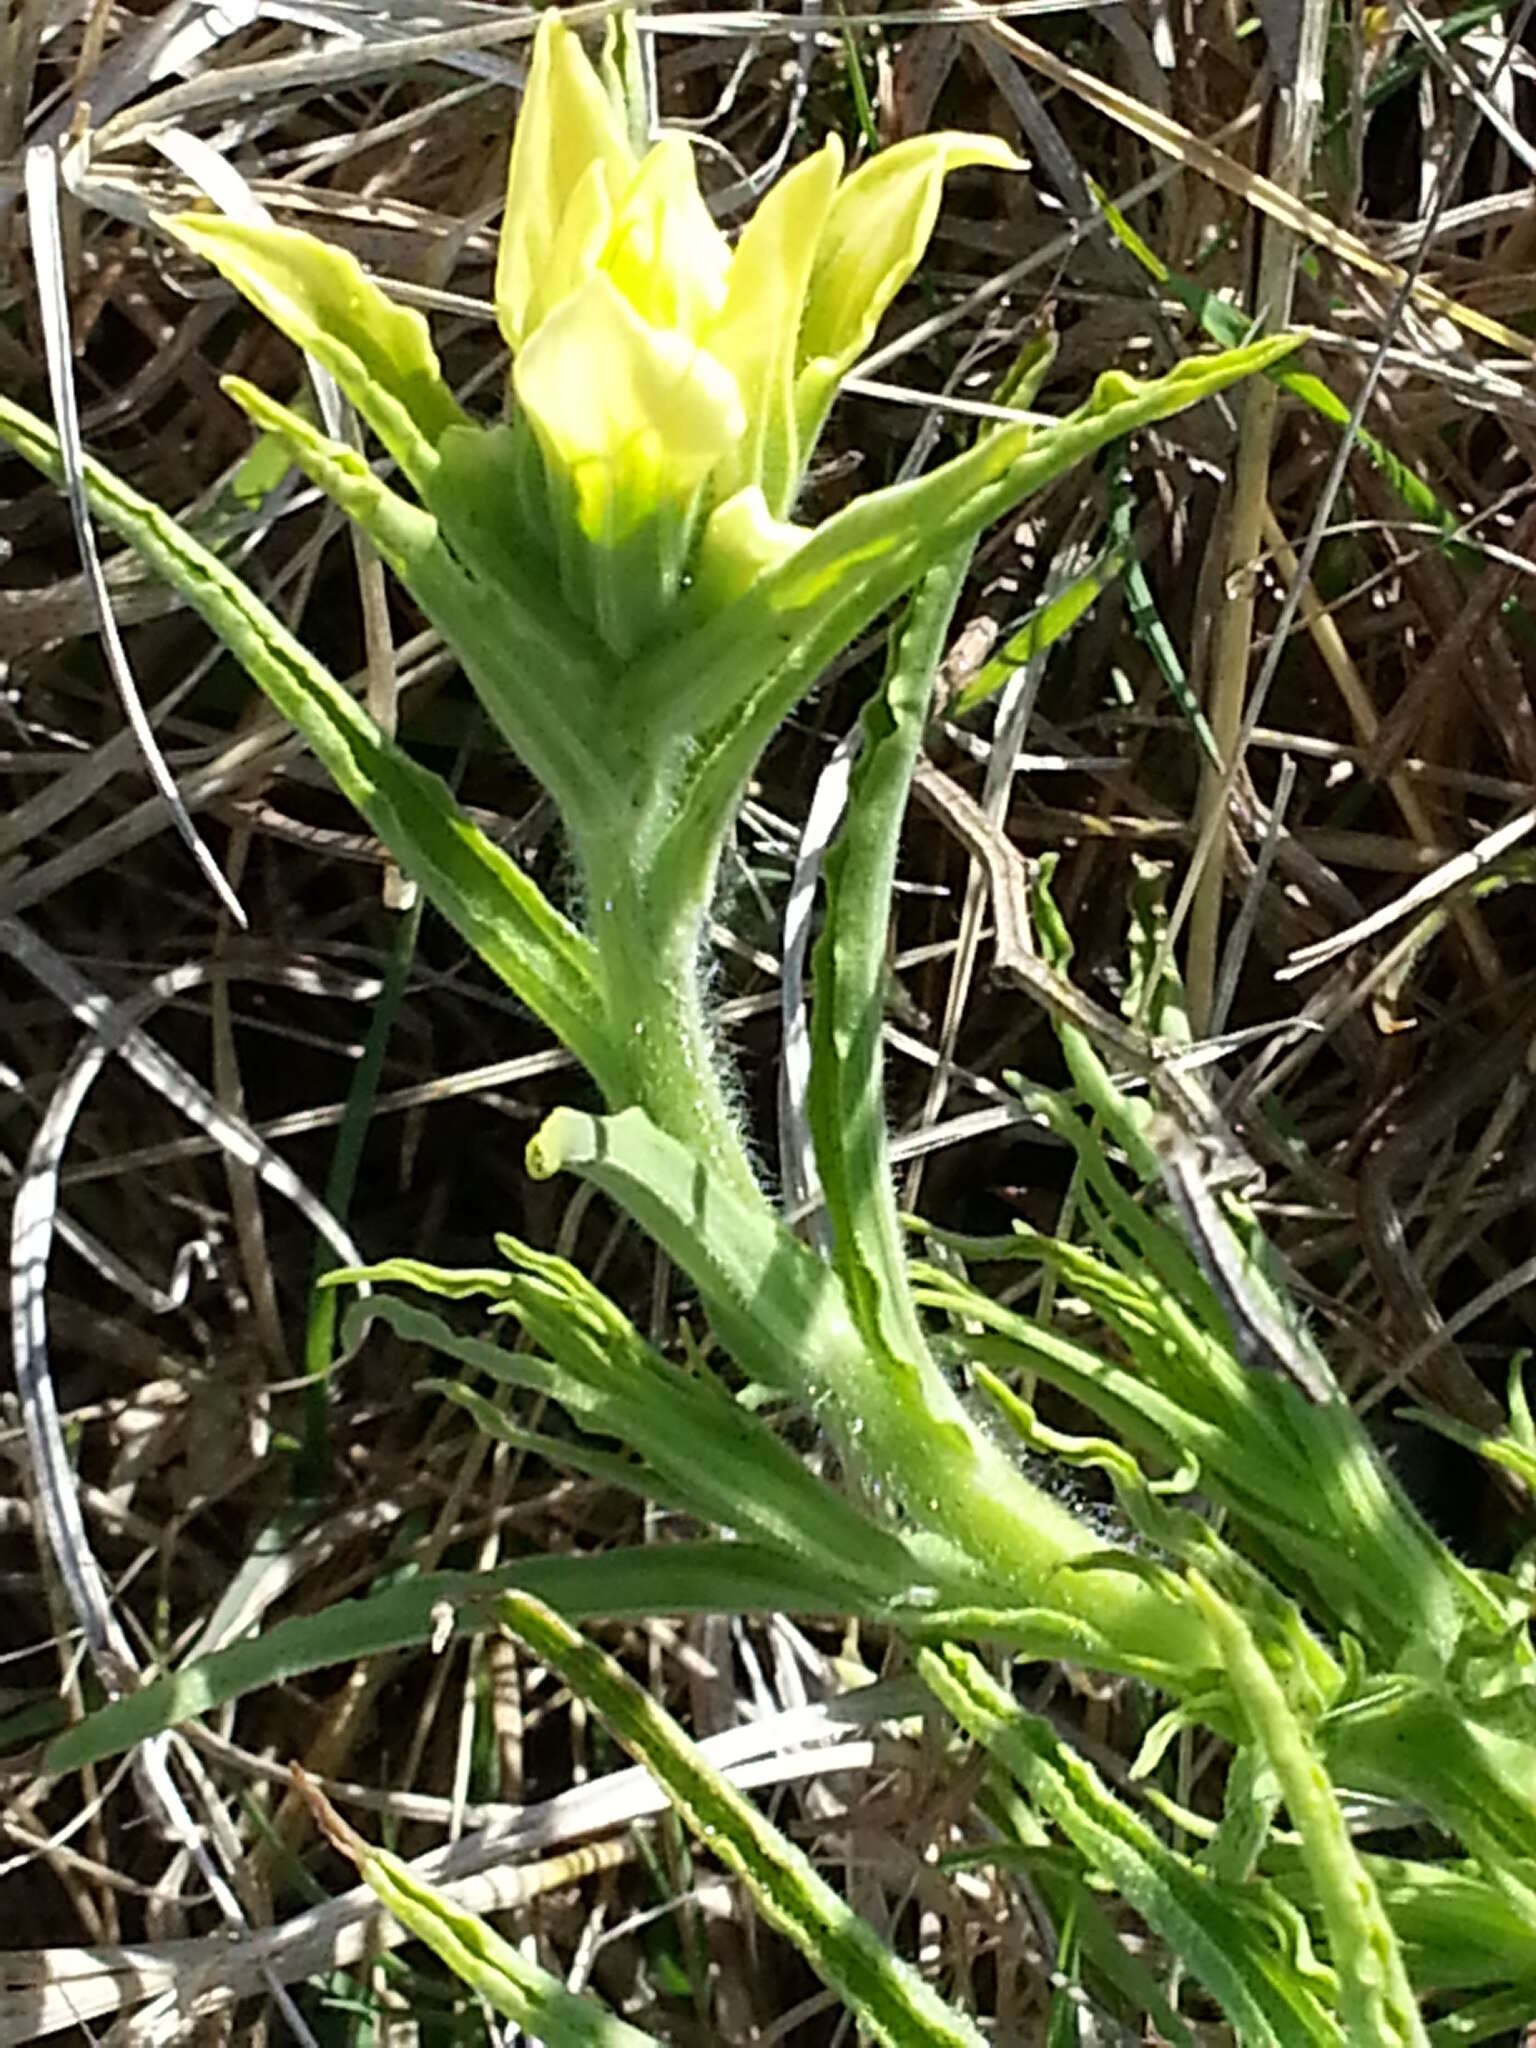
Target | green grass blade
(711,1577)
(1147,620)
(488,900)
(340,1184)
(1231,1951)
(1047,623)
(890,2001)
(1226,325)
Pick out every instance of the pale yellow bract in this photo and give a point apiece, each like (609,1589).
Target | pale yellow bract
(657,366)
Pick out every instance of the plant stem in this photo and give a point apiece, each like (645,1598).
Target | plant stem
(656,1008)
(1006,1541)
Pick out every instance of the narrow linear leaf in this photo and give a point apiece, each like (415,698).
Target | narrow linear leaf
(398,529)
(1376,1998)
(1148,623)
(488,900)
(1233,1954)
(846,1099)
(892,2003)
(509,1983)
(1049,622)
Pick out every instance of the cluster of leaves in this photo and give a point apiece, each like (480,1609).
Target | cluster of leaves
(1323,1629)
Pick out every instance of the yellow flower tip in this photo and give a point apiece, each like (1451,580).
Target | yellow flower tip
(665,253)
(874,238)
(741,542)
(566,126)
(636,416)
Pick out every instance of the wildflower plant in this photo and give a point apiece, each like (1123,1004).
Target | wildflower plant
(617,567)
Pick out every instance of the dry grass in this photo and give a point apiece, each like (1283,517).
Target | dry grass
(1387,1088)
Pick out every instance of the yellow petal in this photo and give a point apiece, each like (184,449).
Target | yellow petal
(577,246)
(741,542)
(664,253)
(757,332)
(634,416)
(565,126)
(874,239)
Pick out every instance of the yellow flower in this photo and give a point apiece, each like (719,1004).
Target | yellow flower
(668,387)
(660,372)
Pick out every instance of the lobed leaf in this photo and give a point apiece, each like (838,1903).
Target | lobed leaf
(488,900)
(710,1456)
(1232,1950)
(769,1297)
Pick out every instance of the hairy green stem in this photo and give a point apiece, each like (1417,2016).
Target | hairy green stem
(651,971)
(900,1424)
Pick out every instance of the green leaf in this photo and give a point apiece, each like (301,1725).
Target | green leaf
(528,1995)
(379,353)
(712,1577)
(1127,1117)
(488,900)
(1148,623)
(846,1102)
(398,529)
(1376,1998)
(1460,1930)
(983,1530)
(1514,1449)
(1231,1950)
(1328,1521)
(891,2002)
(1465,1760)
